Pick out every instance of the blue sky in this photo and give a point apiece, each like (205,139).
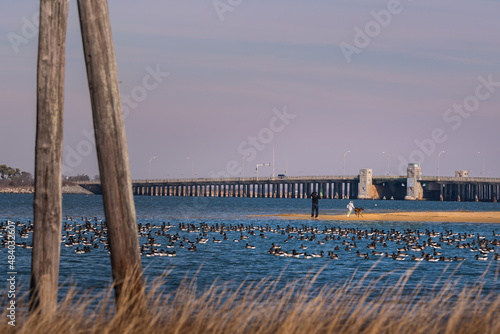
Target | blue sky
(229,78)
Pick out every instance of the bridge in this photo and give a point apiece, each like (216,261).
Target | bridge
(412,186)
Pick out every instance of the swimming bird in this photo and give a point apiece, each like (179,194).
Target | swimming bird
(317,255)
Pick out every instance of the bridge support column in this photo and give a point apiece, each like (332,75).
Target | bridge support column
(414,190)
(365,186)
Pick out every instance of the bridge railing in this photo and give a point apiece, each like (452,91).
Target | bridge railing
(460,179)
(311,178)
(250,179)
(244,179)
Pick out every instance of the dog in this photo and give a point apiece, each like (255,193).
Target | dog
(358,212)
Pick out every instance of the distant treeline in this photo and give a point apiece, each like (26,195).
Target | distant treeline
(14,177)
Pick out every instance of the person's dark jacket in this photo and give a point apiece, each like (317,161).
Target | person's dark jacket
(315,197)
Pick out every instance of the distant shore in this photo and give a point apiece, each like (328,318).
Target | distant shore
(420,216)
(67,189)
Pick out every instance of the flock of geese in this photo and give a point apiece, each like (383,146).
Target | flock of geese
(83,235)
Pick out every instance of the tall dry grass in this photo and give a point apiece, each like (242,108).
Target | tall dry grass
(352,307)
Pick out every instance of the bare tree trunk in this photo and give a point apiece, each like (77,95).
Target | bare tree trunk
(47,205)
(112,151)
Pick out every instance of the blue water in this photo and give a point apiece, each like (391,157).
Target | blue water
(231,262)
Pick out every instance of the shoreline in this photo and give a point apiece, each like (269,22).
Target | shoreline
(409,216)
(67,189)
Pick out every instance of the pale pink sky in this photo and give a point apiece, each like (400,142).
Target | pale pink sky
(226,77)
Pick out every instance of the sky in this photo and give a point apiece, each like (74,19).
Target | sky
(211,88)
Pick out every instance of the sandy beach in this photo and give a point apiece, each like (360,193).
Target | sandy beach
(422,216)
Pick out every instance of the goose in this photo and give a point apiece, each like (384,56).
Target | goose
(202,240)
(317,255)
(249,246)
(162,253)
(358,254)
(481,258)
(417,258)
(273,246)
(79,251)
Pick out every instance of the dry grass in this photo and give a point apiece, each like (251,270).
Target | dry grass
(361,307)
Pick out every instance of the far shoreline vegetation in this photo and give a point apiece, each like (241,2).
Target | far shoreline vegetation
(14,180)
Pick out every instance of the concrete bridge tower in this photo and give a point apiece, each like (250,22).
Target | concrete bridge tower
(365,187)
(414,190)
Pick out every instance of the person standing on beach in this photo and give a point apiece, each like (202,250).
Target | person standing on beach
(315,204)
(350,208)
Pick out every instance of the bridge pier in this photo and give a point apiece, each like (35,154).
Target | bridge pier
(414,190)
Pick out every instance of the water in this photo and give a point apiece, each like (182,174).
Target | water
(231,262)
